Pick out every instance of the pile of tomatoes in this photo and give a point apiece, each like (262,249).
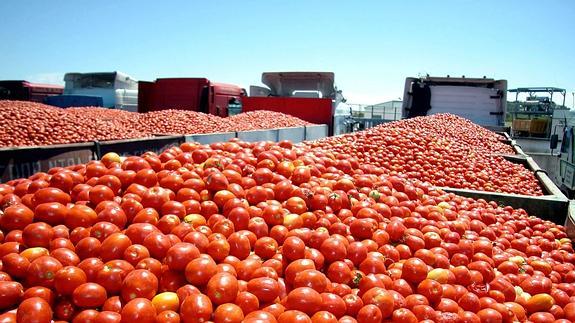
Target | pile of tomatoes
(263,119)
(443,149)
(34,124)
(269,232)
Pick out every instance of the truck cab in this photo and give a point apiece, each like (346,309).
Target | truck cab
(310,96)
(193,94)
(481,100)
(117,90)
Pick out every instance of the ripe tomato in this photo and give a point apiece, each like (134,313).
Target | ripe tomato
(228,313)
(139,283)
(10,294)
(414,270)
(196,308)
(222,288)
(89,295)
(264,288)
(34,309)
(139,310)
(303,299)
(42,271)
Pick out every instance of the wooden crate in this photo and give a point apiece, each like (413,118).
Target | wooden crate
(538,126)
(521,125)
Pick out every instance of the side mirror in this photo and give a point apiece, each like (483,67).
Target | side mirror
(553,142)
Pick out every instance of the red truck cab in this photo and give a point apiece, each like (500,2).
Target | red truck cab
(193,94)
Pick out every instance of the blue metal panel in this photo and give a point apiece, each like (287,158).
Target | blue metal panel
(67,101)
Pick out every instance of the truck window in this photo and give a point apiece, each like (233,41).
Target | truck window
(101,81)
(204,99)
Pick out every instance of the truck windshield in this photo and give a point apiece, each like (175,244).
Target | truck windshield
(103,81)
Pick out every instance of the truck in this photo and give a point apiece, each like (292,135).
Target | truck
(310,96)
(481,100)
(193,94)
(115,90)
(28,91)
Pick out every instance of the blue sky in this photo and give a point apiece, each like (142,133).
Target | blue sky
(372,46)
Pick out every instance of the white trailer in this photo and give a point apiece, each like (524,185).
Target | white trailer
(481,100)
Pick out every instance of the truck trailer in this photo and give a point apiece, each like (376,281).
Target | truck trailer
(27,91)
(481,100)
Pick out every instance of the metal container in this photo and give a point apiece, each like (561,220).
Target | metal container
(293,134)
(209,138)
(258,135)
(553,206)
(26,161)
(316,132)
(131,147)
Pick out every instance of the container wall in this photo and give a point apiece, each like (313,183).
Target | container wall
(24,162)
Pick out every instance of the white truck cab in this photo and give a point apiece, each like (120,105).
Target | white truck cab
(117,90)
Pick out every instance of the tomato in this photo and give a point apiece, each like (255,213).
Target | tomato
(180,254)
(139,283)
(339,272)
(335,305)
(68,279)
(34,309)
(293,248)
(381,298)
(53,213)
(138,310)
(10,294)
(324,317)
(80,216)
(303,299)
(295,267)
(157,244)
(167,301)
(89,295)
(222,288)
(228,313)
(15,265)
(42,271)
(369,313)
(196,308)
(293,316)
(265,247)
(16,217)
(404,315)
(333,249)
(168,317)
(536,285)
(264,288)
(311,278)
(240,245)
(489,315)
(414,270)
(431,289)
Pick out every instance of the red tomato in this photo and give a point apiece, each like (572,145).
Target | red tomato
(89,295)
(34,309)
(222,288)
(196,308)
(139,310)
(139,283)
